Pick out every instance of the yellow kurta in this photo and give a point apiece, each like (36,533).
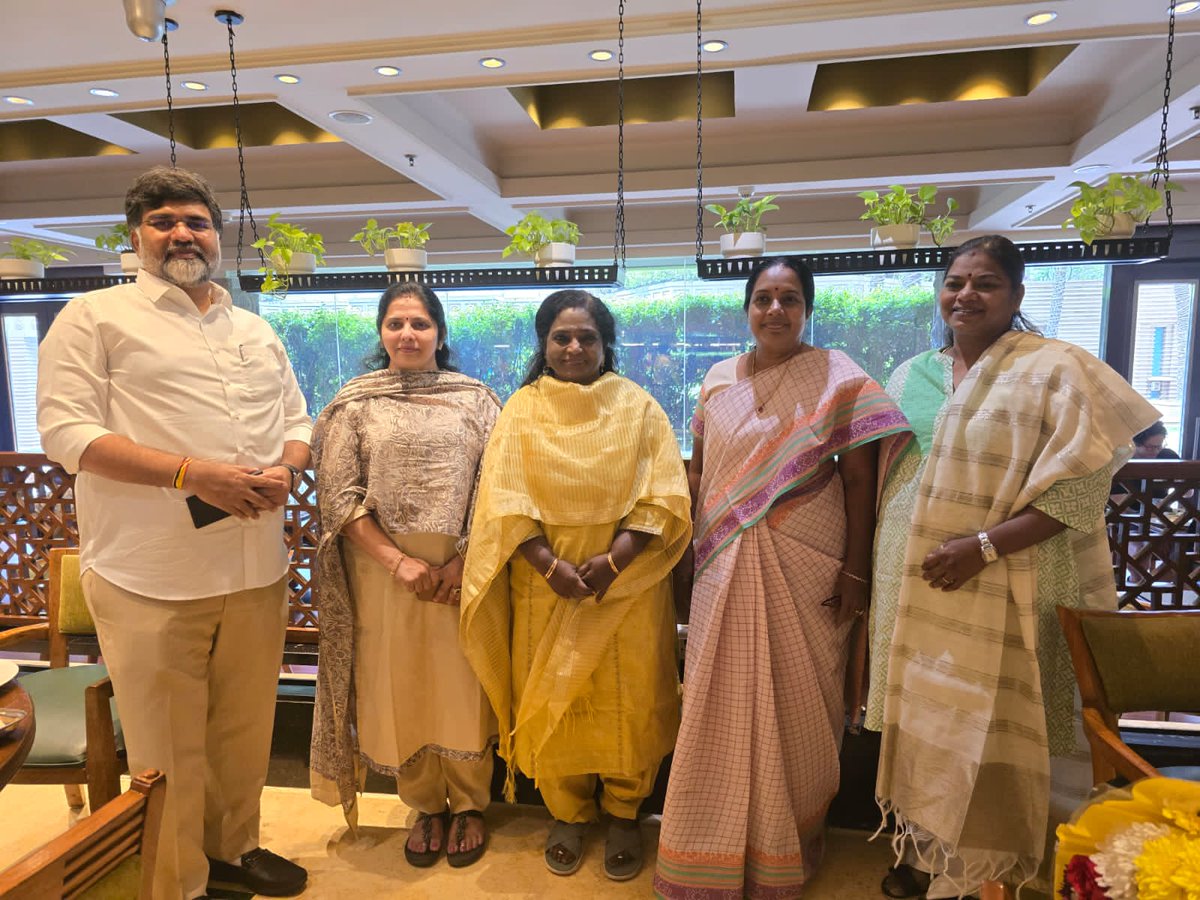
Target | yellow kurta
(577,686)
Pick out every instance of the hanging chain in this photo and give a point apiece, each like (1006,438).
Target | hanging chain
(699,139)
(619,229)
(246,210)
(170,102)
(1162,165)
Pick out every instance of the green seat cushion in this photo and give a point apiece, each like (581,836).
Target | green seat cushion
(1147,662)
(121,883)
(57,695)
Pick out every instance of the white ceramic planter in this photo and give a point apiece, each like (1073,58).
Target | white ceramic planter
(1123,226)
(130,263)
(895,237)
(21,268)
(402,259)
(301,264)
(555,254)
(743,243)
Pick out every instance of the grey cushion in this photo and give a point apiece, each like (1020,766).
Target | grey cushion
(57,695)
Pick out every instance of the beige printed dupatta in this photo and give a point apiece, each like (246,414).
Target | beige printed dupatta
(965,758)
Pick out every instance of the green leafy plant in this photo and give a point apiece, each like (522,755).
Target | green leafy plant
(282,241)
(745,215)
(374,238)
(1096,208)
(941,227)
(31,249)
(899,206)
(115,239)
(535,231)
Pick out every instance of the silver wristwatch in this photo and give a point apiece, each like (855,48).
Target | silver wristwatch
(987,549)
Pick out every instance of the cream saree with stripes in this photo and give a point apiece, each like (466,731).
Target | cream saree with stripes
(965,759)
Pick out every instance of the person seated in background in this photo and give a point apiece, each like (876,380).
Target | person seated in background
(1148,444)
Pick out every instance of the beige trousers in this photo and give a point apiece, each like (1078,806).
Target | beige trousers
(572,798)
(195,684)
(428,783)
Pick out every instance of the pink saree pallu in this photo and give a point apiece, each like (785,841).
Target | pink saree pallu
(756,761)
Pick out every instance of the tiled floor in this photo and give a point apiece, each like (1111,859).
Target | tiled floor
(372,865)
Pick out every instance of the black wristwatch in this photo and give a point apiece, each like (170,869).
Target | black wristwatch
(295,473)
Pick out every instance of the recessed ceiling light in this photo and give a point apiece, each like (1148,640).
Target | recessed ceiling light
(19,101)
(350,117)
(1190,6)
(492,62)
(284,78)
(194,85)
(1041,18)
(713,46)
(601,55)
(387,71)
(1091,168)
(103,92)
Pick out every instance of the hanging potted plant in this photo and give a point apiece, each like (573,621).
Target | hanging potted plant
(1114,208)
(409,256)
(900,214)
(28,258)
(744,235)
(289,250)
(551,242)
(117,240)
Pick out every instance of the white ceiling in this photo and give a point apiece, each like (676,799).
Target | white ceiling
(480,161)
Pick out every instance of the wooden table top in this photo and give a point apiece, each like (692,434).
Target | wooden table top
(16,741)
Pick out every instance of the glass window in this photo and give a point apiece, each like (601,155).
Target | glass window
(1162,349)
(672,326)
(1067,302)
(21,355)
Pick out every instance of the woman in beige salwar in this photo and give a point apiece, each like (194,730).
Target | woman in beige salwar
(788,438)
(995,518)
(567,615)
(397,453)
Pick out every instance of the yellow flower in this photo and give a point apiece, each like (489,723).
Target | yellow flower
(1169,868)
(1183,816)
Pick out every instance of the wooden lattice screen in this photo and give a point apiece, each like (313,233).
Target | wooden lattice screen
(1153,528)
(39,513)
(1154,532)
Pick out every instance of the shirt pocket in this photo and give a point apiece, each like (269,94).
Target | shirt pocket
(260,375)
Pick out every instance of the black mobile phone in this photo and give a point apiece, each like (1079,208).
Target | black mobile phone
(204,513)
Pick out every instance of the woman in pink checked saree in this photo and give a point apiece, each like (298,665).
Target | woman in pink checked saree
(784,475)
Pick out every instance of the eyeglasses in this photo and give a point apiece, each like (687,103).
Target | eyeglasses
(167,224)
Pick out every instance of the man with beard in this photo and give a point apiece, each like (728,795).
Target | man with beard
(153,392)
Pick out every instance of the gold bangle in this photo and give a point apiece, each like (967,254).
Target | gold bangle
(612,565)
(550,571)
(857,578)
(396,566)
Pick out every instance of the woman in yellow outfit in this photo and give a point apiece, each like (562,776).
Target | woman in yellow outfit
(567,617)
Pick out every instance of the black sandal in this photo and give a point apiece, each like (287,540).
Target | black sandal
(904,881)
(458,825)
(423,859)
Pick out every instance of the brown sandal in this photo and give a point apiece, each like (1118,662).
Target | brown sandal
(458,827)
(423,859)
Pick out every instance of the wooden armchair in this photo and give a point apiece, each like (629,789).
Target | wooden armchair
(79,738)
(111,853)
(1131,662)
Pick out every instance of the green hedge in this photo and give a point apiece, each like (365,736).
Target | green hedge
(666,344)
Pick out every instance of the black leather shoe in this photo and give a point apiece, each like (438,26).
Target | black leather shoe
(262,872)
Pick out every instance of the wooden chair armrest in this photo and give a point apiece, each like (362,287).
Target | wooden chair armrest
(1127,763)
(14,636)
(103,771)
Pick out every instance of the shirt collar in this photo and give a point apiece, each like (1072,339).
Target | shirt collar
(158,290)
